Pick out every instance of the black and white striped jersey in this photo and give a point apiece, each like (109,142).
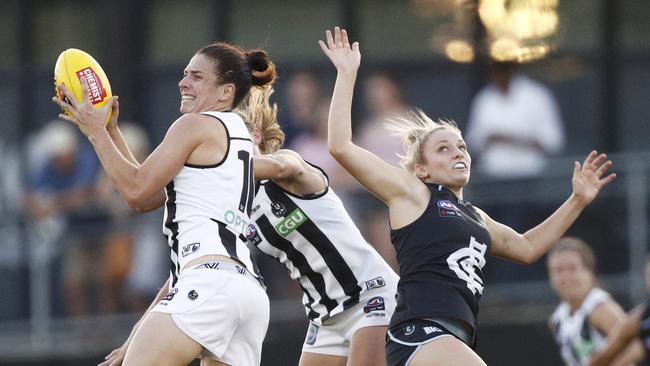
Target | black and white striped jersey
(575,337)
(208,206)
(315,238)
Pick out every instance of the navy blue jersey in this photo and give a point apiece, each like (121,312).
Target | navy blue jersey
(441,255)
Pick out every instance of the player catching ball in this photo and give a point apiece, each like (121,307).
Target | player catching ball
(215,306)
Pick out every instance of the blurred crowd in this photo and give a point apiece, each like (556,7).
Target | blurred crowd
(104,258)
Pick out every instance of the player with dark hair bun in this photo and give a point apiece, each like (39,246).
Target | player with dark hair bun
(214,306)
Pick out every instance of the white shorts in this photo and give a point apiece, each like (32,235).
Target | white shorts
(334,335)
(221,308)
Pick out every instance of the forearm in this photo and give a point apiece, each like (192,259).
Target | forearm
(339,132)
(122,172)
(120,143)
(543,236)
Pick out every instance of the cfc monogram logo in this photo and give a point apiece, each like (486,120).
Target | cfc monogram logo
(465,263)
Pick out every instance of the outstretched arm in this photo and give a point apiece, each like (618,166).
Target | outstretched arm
(588,179)
(380,178)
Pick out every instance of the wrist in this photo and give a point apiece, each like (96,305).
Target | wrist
(577,201)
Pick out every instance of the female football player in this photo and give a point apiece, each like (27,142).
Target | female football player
(441,240)
(349,290)
(215,307)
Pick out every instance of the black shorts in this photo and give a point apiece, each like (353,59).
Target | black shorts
(404,339)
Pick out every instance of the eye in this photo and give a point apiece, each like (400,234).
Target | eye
(462,147)
(443,148)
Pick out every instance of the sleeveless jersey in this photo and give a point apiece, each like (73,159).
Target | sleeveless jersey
(315,238)
(441,255)
(578,340)
(208,206)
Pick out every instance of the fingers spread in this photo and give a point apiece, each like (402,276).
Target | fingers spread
(330,39)
(603,168)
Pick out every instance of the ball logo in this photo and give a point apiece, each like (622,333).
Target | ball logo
(96,91)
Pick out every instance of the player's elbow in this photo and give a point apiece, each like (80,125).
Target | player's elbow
(337,150)
(135,197)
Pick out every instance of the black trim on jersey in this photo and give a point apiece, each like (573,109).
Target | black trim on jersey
(174,267)
(241,138)
(229,240)
(225,155)
(299,261)
(335,262)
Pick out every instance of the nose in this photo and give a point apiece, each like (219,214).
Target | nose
(183,83)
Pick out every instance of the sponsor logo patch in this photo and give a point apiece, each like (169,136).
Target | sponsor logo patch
(190,248)
(374,304)
(291,222)
(376,282)
(447,208)
(312,332)
(429,330)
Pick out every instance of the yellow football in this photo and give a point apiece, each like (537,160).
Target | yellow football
(74,64)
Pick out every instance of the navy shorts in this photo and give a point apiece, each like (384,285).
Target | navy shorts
(404,339)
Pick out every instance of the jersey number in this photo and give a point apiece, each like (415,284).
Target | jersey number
(246,198)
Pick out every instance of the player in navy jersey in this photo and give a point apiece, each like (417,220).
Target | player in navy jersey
(348,289)
(214,306)
(441,240)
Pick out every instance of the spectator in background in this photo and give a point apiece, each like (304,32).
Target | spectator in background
(63,188)
(514,125)
(304,95)
(132,273)
(587,313)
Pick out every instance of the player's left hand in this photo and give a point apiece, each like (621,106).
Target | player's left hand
(589,177)
(83,114)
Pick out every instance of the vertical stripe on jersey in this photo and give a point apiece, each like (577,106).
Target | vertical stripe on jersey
(228,239)
(298,260)
(335,262)
(173,228)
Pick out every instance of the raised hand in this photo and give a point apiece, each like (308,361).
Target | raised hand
(589,178)
(344,56)
(83,114)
